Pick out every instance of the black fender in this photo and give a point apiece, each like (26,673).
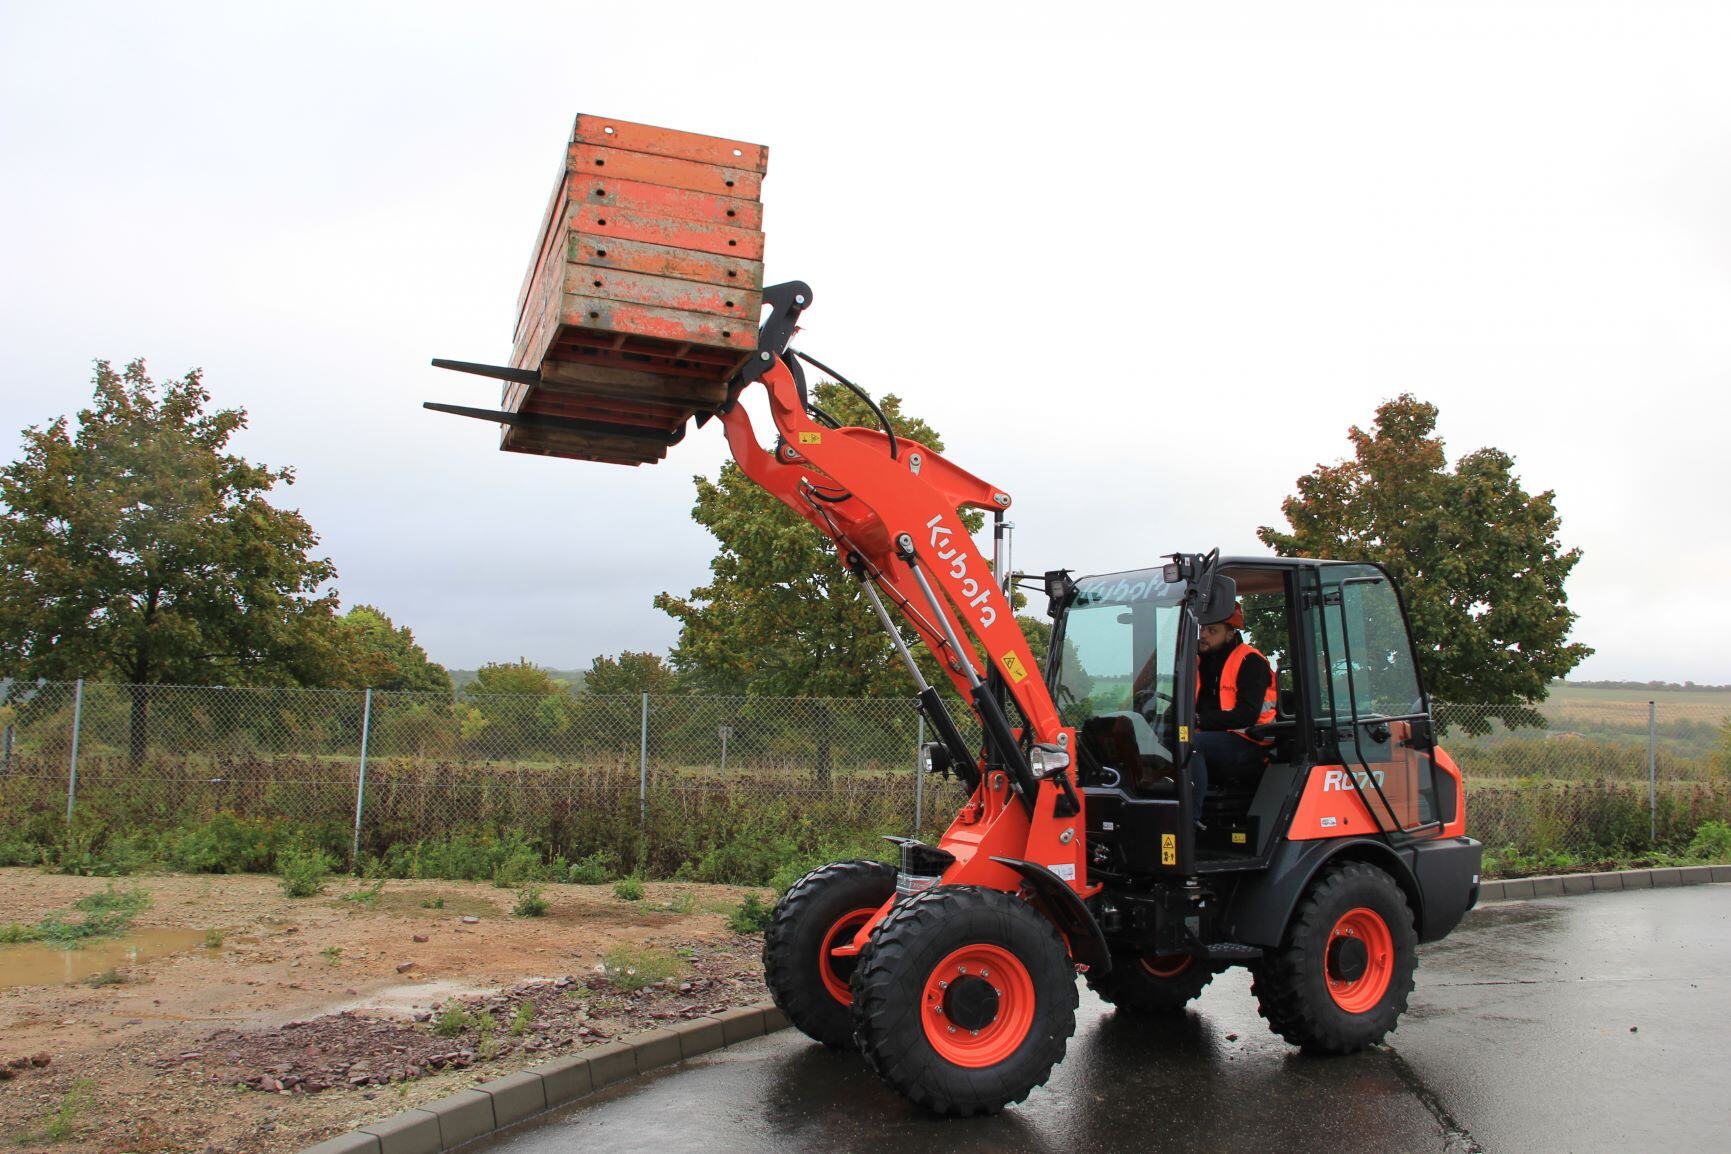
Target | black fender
(1054,898)
(1259,908)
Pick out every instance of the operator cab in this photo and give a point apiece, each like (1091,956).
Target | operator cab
(1347,695)
(1115,681)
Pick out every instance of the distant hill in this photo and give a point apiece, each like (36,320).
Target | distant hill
(462,678)
(1669,686)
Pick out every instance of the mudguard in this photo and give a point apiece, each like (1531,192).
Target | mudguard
(1054,898)
(1261,905)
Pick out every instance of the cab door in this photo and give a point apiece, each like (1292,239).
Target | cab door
(1381,722)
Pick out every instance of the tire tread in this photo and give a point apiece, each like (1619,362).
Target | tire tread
(1285,996)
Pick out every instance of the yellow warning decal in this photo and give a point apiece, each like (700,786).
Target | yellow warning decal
(1183,733)
(1168,849)
(1014,667)
(811,438)
(1238,838)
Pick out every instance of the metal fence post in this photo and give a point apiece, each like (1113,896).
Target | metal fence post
(77,724)
(919,778)
(643,767)
(1652,773)
(361,779)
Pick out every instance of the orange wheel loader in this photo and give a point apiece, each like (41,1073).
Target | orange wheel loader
(1080,846)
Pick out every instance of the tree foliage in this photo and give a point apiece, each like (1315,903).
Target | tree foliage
(630,673)
(1477,556)
(139,548)
(780,615)
(515,677)
(383,655)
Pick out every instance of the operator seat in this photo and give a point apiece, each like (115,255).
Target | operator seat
(1125,742)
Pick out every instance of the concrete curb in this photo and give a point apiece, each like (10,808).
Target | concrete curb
(492,1106)
(1567,885)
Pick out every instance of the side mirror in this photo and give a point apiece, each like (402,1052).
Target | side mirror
(1217,602)
(1060,592)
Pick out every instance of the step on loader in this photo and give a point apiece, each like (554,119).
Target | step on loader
(1082,845)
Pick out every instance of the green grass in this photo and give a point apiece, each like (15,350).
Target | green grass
(751,916)
(366,896)
(454,1019)
(486,1045)
(106,914)
(530,903)
(629,969)
(628,890)
(64,1123)
(303,872)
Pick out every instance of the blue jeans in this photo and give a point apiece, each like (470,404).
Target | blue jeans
(1224,751)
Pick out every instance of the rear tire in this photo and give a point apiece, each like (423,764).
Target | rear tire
(966,1000)
(821,910)
(1340,979)
(1145,984)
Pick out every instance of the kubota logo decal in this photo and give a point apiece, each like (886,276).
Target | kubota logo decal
(978,596)
(1358,779)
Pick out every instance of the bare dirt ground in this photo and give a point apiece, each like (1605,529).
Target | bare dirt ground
(318,1014)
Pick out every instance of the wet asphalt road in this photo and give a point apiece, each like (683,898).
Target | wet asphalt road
(1518,1039)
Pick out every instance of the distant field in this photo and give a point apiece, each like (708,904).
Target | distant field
(1703,699)
(1571,706)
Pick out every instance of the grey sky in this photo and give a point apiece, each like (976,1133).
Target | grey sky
(1096,252)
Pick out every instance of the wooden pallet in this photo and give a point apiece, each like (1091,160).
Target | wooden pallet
(643,291)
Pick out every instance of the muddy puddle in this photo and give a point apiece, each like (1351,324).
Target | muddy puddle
(36,964)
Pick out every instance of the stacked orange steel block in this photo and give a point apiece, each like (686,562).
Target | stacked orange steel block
(643,294)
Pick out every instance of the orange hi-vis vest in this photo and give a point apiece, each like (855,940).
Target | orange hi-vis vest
(1229,690)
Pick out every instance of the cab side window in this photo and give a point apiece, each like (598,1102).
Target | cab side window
(1268,628)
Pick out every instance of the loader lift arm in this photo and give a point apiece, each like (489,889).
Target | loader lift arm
(891,509)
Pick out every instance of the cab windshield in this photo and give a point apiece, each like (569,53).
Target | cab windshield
(1120,645)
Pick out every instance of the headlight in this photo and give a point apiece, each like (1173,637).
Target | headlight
(935,757)
(1045,760)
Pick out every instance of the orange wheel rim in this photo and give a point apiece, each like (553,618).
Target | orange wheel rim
(835,971)
(977,1006)
(1167,965)
(1359,961)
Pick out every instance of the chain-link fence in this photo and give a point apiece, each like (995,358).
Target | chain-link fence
(659,781)
(1592,770)
(717,787)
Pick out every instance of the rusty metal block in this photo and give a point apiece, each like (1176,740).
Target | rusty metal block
(671,171)
(644,288)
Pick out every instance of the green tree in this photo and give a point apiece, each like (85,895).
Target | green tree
(383,655)
(1477,556)
(139,549)
(512,677)
(516,710)
(630,673)
(780,616)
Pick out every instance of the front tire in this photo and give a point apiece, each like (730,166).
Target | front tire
(1151,984)
(966,1000)
(823,909)
(1339,981)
